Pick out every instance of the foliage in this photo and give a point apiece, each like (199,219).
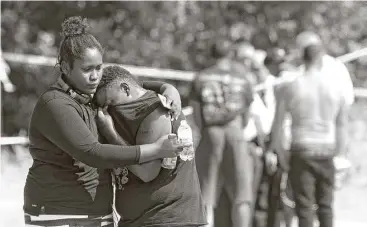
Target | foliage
(167,34)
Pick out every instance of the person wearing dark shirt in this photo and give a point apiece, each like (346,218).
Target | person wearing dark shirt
(69,183)
(146,194)
(221,97)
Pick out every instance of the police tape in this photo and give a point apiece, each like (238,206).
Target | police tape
(150,72)
(168,74)
(155,73)
(14,140)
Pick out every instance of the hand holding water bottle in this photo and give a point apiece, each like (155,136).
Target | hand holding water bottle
(184,134)
(170,162)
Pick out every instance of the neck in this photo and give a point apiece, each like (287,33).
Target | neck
(66,80)
(314,65)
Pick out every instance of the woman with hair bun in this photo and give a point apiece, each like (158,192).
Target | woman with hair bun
(69,183)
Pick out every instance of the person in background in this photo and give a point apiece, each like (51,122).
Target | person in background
(269,207)
(339,76)
(256,133)
(262,108)
(69,183)
(319,111)
(336,69)
(221,97)
(148,194)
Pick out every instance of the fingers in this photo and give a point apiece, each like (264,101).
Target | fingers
(173,114)
(169,102)
(164,101)
(172,136)
(174,107)
(175,111)
(184,145)
(100,116)
(179,146)
(100,111)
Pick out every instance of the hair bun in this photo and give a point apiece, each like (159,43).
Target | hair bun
(74,26)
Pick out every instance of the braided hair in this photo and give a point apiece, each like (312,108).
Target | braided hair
(75,40)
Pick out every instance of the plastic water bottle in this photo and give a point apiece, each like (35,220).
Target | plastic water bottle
(169,163)
(184,134)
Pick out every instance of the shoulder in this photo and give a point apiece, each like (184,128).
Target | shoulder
(155,125)
(55,101)
(52,108)
(335,64)
(285,90)
(53,95)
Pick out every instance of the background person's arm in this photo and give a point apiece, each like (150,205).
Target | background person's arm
(341,127)
(273,160)
(262,118)
(346,83)
(276,132)
(194,102)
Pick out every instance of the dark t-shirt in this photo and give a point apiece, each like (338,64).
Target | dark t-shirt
(223,93)
(171,199)
(70,172)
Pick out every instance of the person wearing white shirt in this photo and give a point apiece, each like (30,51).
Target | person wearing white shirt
(331,66)
(258,129)
(318,102)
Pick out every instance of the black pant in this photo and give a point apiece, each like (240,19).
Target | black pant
(312,181)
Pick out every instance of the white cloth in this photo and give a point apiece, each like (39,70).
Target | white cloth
(258,114)
(261,113)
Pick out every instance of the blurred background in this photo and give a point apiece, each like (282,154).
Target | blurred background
(173,35)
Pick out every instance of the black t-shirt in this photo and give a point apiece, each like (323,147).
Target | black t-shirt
(171,199)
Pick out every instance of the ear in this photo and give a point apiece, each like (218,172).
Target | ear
(65,67)
(126,87)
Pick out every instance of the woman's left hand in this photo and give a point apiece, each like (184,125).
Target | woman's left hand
(173,99)
(104,121)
